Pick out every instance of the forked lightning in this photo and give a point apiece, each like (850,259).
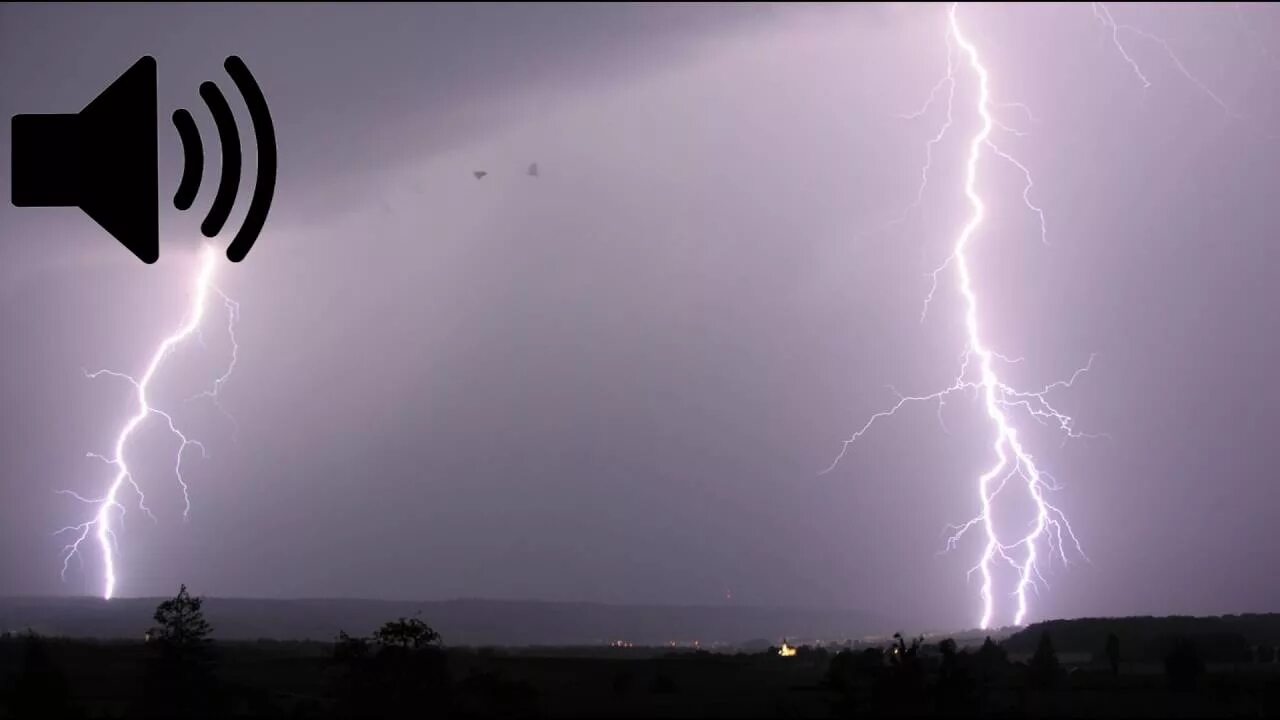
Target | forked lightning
(108,507)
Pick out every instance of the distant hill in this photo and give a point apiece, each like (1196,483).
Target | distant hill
(1225,638)
(461,622)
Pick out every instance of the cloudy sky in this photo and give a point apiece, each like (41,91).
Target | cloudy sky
(620,380)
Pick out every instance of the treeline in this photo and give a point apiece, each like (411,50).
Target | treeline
(1224,639)
(403,670)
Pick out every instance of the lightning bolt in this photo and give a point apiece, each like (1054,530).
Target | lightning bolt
(1103,14)
(980,365)
(108,505)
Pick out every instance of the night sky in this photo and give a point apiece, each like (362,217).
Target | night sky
(620,380)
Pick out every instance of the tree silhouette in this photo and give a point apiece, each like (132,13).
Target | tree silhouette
(402,671)
(990,663)
(348,649)
(1044,667)
(947,648)
(955,683)
(1113,652)
(181,622)
(179,679)
(901,656)
(906,675)
(406,634)
(992,654)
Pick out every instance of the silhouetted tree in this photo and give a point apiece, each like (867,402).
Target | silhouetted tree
(870,661)
(402,673)
(905,676)
(407,634)
(989,664)
(354,685)
(1113,652)
(947,648)
(903,657)
(955,682)
(181,622)
(348,649)
(1183,666)
(991,654)
(179,679)
(1044,668)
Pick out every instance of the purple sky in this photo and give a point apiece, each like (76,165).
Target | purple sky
(619,381)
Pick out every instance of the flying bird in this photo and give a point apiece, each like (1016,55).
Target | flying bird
(533,170)
(479,174)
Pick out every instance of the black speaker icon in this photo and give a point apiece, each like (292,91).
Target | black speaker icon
(103,160)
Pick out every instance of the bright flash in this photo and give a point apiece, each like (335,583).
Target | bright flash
(980,365)
(108,506)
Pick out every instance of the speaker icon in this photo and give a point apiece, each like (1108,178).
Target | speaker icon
(104,160)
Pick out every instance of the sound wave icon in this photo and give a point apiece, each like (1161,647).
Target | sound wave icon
(229,138)
(104,160)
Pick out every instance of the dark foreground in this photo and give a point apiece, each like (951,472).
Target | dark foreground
(48,678)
